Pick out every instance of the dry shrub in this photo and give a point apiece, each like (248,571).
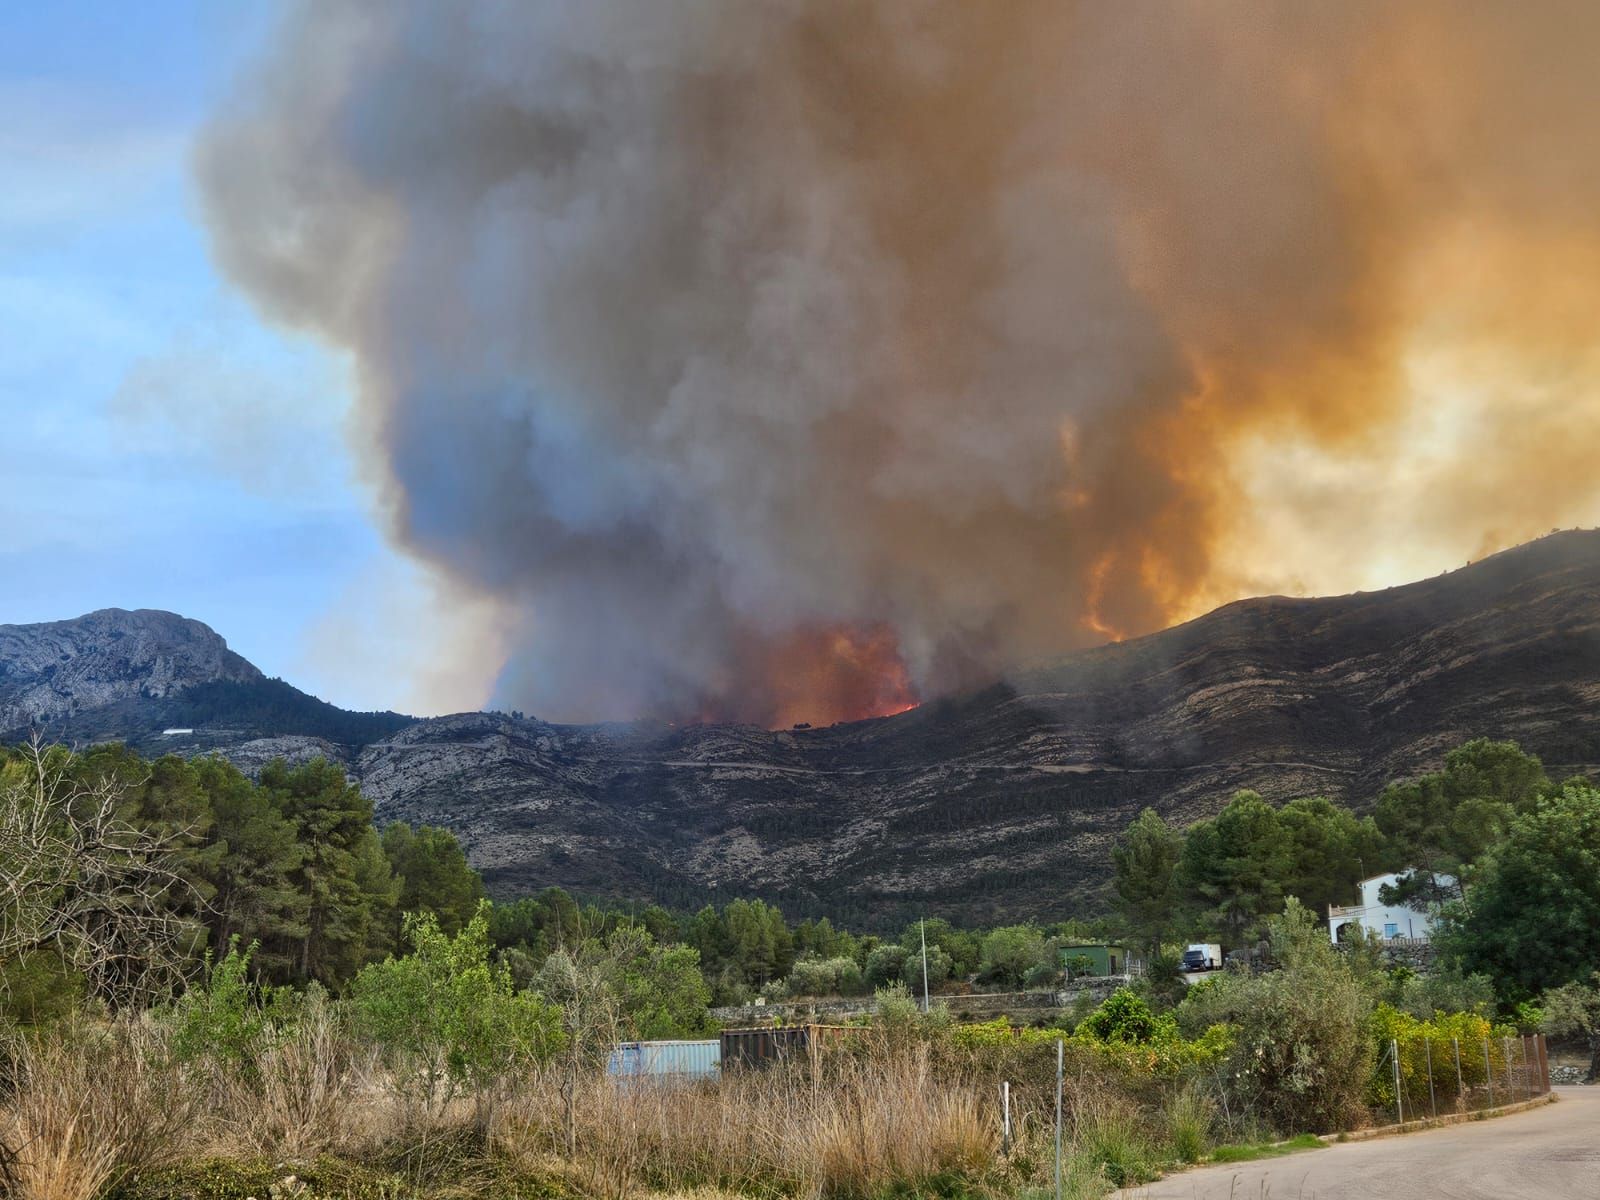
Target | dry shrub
(92,1105)
(304,1097)
(881,1123)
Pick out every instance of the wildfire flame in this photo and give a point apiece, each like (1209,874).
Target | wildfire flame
(819,676)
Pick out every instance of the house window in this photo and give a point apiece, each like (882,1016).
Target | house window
(1391,930)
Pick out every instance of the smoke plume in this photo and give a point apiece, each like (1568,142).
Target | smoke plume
(792,359)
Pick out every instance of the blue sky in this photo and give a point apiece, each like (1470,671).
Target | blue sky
(163,447)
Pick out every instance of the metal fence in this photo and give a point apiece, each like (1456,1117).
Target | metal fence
(1432,1076)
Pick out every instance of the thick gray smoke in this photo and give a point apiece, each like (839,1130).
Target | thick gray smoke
(786,359)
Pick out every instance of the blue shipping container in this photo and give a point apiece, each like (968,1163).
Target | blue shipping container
(678,1060)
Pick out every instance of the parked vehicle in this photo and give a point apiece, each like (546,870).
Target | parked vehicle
(1202,956)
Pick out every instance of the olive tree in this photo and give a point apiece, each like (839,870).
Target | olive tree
(1574,1008)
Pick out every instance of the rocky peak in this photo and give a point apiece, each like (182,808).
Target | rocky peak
(54,669)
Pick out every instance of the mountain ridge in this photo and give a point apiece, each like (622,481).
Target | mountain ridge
(119,674)
(1001,802)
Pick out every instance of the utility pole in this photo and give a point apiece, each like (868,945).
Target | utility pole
(922,926)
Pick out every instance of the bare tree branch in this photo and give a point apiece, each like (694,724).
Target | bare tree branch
(79,879)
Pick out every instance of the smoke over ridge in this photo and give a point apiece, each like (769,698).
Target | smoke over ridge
(791,359)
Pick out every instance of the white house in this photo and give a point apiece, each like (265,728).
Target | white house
(1378,919)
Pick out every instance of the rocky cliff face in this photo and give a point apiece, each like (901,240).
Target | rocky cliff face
(51,672)
(1005,803)
(999,804)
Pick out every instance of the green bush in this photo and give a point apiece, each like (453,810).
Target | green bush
(226,1023)
(938,967)
(1189,1118)
(1009,952)
(884,965)
(1300,1055)
(1431,1043)
(1444,990)
(1123,1016)
(825,977)
(446,1020)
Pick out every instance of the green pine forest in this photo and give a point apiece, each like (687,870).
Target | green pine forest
(293,867)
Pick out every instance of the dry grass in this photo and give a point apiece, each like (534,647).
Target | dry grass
(309,1095)
(866,1120)
(92,1105)
(872,1122)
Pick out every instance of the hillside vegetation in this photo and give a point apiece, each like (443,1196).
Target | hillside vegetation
(223,987)
(985,808)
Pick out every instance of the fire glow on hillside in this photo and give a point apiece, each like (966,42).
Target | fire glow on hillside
(790,361)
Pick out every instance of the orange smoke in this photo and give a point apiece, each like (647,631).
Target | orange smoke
(788,362)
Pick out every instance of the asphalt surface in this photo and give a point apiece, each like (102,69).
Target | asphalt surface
(1548,1153)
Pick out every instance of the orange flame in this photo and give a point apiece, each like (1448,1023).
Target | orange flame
(819,675)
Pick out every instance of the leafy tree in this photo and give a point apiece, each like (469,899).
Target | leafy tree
(1531,918)
(433,876)
(744,946)
(663,993)
(1009,952)
(1327,849)
(1443,823)
(1574,1008)
(448,1021)
(1300,1056)
(760,942)
(886,964)
(1445,990)
(938,967)
(821,940)
(254,849)
(1146,862)
(961,946)
(536,925)
(659,923)
(826,977)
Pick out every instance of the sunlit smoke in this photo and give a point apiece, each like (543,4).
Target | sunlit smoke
(790,360)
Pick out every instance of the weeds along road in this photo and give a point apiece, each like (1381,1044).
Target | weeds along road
(1547,1153)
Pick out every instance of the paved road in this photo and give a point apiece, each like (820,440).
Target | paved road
(1549,1153)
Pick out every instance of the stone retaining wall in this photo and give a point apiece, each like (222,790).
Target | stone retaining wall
(975,1005)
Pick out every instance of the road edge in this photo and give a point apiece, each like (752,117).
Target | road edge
(1439,1122)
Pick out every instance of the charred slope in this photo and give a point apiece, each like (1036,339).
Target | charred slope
(1005,802)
